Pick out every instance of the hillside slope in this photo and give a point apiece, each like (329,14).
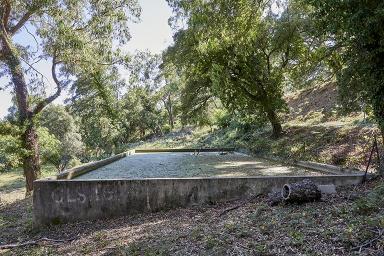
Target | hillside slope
(314,129)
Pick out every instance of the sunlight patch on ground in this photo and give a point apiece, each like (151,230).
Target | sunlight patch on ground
(12,196)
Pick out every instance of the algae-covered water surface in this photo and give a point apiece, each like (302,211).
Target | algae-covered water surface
(204,164)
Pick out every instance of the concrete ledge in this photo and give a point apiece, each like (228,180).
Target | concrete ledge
(325,167)
(154,150)
(82,169)
(61,201)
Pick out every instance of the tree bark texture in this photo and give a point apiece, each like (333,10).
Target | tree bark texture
(274,198)
(31,162)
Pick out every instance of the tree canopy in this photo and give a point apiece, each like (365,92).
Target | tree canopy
(238,51)
(355,29)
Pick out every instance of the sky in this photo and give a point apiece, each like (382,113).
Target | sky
(152,33)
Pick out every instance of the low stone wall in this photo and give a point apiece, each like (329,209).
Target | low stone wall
(60,201)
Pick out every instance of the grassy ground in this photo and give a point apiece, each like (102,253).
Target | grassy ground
(12,183)
(15,209)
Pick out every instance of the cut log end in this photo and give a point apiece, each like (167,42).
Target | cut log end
(286,191)
(301,192)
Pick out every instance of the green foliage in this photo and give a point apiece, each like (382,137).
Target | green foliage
(144,71)
(58,121)
(170,92)
(142,112)
(141,102)
(49,144)
(61,138)
(113,112)
(12,152)
(355,29)
(371,203)
(237,51)
(223,118)
(75,47)
(10,146)
(167,128)
(78,36)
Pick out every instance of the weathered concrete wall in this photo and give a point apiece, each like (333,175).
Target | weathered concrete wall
(60,201)
(82,169)
(154,150)
(326,167)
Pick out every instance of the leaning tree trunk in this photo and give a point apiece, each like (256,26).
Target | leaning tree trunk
(301,192)
(31,163)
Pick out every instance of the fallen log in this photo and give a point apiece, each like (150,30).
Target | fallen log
(301,192)
(274,198)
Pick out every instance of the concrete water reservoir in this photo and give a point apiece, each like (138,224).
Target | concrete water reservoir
(152,180)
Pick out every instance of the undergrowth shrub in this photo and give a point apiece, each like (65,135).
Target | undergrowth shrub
(371,203)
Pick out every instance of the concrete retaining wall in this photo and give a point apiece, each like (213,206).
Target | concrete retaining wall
(60,201)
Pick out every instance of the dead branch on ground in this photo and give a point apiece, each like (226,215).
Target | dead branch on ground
(36,242)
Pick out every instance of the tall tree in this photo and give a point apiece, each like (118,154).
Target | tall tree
(170,92)
(141,102)
(95,101)
(73,34)
(238,51)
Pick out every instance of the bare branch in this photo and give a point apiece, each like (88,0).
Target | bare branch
(33,68)
(37,44)
(42,104)
(22,21)
(35,242)
(119,61)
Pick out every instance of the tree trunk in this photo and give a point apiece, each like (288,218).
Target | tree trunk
(171,121)
(31,163)
(276,125)
(169,108)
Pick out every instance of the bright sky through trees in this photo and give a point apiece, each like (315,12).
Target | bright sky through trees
(152,33)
